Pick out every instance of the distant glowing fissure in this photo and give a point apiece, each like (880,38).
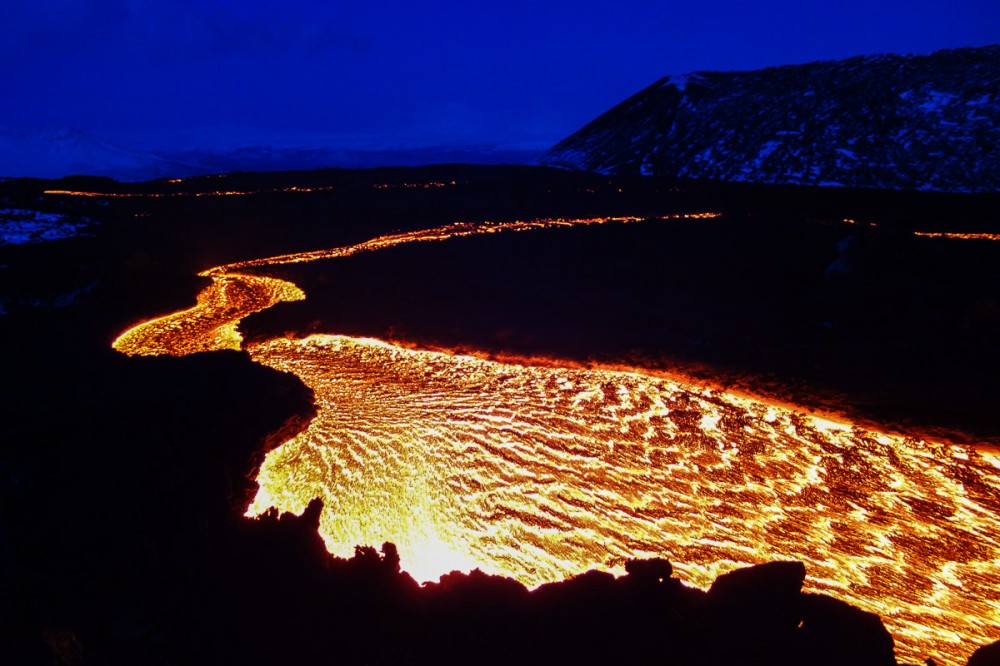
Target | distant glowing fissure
(540,472)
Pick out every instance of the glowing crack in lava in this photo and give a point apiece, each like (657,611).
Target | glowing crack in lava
(541,472)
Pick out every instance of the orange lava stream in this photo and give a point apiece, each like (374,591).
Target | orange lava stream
(957,236)
(541,472)
(211,324)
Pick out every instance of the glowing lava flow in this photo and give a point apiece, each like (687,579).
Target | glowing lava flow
(957,236)
(543,472)
(211,324)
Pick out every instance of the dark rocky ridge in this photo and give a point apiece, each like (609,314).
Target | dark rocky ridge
(887,121)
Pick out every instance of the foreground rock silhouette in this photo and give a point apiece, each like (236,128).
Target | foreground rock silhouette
(365,610)
(988,655)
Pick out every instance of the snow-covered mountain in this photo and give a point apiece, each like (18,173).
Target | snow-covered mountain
(54,153)
(887,121)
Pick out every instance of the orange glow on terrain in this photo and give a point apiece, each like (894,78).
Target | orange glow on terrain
(539,472)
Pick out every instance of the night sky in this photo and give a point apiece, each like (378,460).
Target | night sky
(393,73)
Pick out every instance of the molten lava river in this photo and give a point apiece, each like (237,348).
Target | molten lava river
(539,472)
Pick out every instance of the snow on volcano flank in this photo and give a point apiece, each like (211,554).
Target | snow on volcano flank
(887,121)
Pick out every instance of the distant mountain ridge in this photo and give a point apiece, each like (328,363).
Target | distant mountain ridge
(885,121)
(64,151)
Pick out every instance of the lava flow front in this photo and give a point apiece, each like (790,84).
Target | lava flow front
(542,472)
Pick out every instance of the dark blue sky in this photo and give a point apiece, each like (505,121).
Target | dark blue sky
(409,72)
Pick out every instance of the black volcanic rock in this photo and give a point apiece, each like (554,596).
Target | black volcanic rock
(988,655)
(760,606)
(747,587)
(885,121)
(834,632)
(655,569)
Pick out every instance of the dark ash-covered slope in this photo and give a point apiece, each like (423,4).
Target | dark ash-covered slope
(885,121)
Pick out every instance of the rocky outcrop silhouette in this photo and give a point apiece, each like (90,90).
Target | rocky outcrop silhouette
(753,615)
(988,655)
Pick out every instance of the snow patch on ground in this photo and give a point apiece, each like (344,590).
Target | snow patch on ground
(936,101)
(680,81)
(704,156)
(765,151)
(574,158)
(20,227)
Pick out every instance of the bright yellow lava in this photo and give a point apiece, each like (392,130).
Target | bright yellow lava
(540,472)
